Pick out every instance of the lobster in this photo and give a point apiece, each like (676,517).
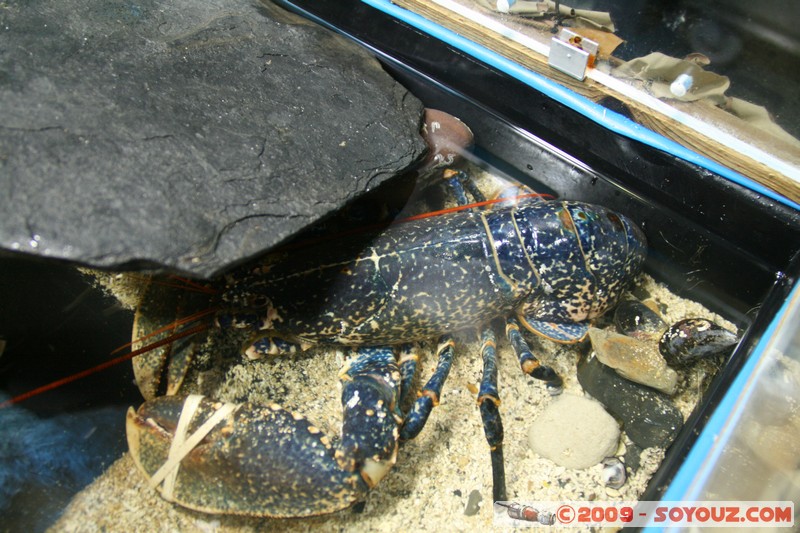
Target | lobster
(549,267)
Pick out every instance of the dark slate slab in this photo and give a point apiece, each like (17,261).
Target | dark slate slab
(184,134)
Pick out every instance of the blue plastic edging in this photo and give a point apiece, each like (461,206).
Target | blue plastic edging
(595,112)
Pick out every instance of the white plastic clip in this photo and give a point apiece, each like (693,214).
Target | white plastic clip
(572,54)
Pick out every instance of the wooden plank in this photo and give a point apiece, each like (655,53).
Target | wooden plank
(666,126)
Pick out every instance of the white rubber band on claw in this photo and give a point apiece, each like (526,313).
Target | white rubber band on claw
(182,446)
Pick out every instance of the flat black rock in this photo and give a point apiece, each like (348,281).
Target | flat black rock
(187,135)
(648,417)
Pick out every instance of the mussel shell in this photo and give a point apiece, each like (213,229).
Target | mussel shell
(693,339)
(614,474)
(635,319)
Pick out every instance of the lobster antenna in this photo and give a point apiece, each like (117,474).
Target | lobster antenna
(172,325)
(189,284)
(471,206)
(102,366)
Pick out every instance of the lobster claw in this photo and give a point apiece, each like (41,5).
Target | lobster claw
(266,461)
(239,458)
(165,361)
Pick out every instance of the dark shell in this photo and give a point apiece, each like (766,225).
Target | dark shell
(692,339)
(614,474)
(635,319)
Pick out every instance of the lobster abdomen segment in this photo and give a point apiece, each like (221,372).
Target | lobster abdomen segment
(415,280)
(586,256)
(560,263)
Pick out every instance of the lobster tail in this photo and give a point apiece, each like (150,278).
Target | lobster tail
(584,256)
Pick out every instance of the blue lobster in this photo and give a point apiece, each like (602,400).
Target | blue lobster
(550,267)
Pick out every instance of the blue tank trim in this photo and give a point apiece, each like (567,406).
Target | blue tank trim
(595,112)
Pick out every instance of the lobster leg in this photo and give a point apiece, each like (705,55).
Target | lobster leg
(165,352)
(473,189)
(272,346)
(528,362)
(429,396)
(454,181)
(461,183)
(408,369)
(488,396)
(489,402)
(257,322)
(266,461)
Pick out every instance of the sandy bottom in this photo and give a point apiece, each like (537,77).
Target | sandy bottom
(431,484)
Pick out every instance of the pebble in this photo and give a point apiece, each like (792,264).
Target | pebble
(473,503)
(648,417)
(634,359)
(574,432)
(633,457)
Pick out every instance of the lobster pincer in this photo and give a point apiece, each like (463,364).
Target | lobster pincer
(221,457)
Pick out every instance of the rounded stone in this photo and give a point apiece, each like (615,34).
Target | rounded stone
(574,432)
(649,417)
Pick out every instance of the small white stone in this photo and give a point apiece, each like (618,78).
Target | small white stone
(574,432)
